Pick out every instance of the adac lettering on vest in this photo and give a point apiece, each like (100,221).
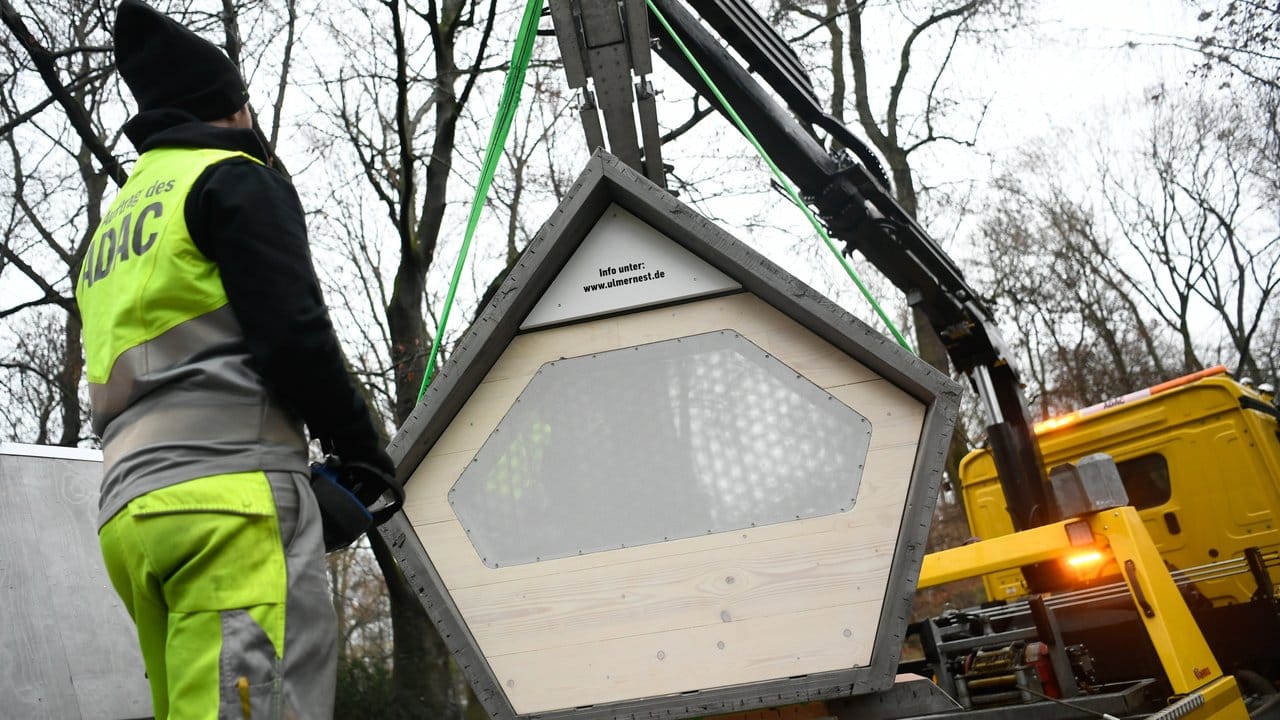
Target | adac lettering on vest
(127,234)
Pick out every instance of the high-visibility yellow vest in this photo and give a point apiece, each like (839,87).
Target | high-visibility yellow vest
(171,381)
(142,274)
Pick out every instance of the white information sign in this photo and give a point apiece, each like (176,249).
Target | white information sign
(623,264)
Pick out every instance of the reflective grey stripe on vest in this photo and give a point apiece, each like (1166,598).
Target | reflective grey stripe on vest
(186,405)
(143,368)
(190,422)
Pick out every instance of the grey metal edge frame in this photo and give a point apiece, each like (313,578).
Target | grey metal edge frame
(607,180)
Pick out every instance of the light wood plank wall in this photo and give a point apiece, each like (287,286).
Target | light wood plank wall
(757,604)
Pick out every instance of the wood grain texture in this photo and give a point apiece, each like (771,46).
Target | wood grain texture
(704,657)
(70,649)
(702,589)
(760,603)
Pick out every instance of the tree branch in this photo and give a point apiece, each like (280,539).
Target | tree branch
(46,300)
(23,117)
(291,8)
(76,113)
(904,65)
(687,125)
(474,73)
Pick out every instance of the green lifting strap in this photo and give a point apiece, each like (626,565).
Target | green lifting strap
(782,179)
(502,126)
(497,139)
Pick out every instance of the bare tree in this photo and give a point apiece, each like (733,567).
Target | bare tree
(57,150)
(61,110)
(1161,264)
(532,168)
(31,377)
(1239,46)
(1198,211)
(364,634)
(919,106)
(396,103)
(1240,38)
(1083,334)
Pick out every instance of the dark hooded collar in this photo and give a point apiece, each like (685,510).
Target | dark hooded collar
(168,127)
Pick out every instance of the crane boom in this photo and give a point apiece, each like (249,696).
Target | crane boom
(849,191)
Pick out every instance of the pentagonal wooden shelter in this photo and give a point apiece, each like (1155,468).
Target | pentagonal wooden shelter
(661,477)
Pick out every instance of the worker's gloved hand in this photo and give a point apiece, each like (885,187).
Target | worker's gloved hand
(359,494)
(344,517)
(367,477)
(372,477)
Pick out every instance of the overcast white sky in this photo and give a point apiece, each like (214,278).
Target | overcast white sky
(1080,62)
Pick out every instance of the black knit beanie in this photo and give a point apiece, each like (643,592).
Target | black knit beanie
(166,65)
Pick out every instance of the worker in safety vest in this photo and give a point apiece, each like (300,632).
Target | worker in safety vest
(208,347)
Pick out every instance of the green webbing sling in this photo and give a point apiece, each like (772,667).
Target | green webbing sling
(497,139)
(502,125)
(782,179)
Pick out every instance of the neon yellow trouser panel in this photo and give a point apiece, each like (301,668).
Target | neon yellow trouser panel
(228,595)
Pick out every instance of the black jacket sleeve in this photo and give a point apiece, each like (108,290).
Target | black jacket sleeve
(248,220)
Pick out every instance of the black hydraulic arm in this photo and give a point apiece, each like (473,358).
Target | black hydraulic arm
(856,207)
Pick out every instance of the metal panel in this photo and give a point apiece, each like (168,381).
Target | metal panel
(637,21)
(601,25)
(611,68)
(590,116)
(650,139)
(655,443)
(764,50)
(606,180)
(571,44)
(70,648)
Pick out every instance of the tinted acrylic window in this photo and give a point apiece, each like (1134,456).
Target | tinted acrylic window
(669,440)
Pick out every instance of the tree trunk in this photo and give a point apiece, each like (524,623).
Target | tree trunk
(885,135)
(421,676)
(69,383)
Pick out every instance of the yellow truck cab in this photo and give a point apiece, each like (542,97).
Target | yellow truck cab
(1199,457)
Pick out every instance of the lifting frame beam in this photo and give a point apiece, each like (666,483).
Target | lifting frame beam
(1193,672)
